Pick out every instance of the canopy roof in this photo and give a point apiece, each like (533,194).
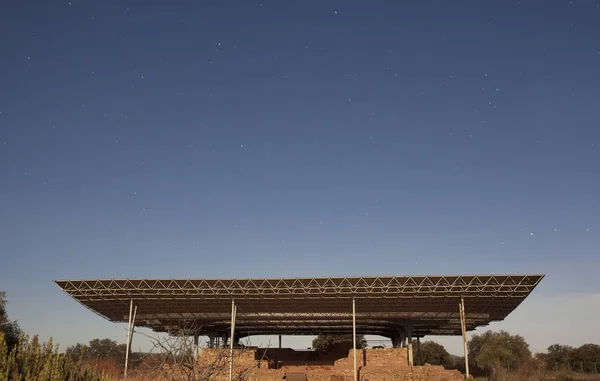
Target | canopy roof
(309,306)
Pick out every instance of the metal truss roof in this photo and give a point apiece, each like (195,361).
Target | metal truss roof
(308,306)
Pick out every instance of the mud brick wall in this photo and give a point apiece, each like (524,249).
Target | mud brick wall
(244,361)
(437,373)
(390,357)
(387,364)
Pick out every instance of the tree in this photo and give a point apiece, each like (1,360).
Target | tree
(77,351)
(173,359)
(98,349)
(430,352)
(495,351)
(10,328)
(586,358)
(106,351)
(458,363)
(325,342)
(558,357)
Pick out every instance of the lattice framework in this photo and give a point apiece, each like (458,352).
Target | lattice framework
(307,305)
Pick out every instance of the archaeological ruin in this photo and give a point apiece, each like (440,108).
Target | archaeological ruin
(401,308)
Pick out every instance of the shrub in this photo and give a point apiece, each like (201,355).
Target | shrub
(31,361)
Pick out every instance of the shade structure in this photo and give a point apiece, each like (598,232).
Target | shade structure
(307,306)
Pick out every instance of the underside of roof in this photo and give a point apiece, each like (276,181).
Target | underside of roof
(307,306)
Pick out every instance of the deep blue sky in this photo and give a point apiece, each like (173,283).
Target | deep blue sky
(295,138)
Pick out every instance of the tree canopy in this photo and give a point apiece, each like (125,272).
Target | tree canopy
(430,352)
(324,342)
(98,349)
(558,357)
(492,349)
(10,328)
(585,358)
(103,349)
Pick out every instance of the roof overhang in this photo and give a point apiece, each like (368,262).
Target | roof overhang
(308,306)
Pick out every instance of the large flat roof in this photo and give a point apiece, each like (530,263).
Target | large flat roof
(311,306)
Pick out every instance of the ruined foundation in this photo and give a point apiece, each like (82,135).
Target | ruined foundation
(387,364)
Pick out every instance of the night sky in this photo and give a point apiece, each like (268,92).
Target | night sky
(298,138)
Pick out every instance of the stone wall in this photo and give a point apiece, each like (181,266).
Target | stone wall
(216,362)
(387,364)
(391,357)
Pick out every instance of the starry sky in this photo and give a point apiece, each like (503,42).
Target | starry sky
(263,138)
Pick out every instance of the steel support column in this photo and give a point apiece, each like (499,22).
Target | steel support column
(409,331)
(354,336)
(130,328)
(196,346)
(279,341)
(231,338)
(401,338)
(463,325)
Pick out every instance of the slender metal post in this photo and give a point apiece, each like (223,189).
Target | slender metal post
(463,326)
(129,335)
(231,339)
(409,330)
(132,327)
(354,336)
(279,341)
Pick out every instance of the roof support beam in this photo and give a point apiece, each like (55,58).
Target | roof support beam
(461,307)
(232,338)
(409,335)
(130,328)
(354,336)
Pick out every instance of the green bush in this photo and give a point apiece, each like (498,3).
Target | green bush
(31,361)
